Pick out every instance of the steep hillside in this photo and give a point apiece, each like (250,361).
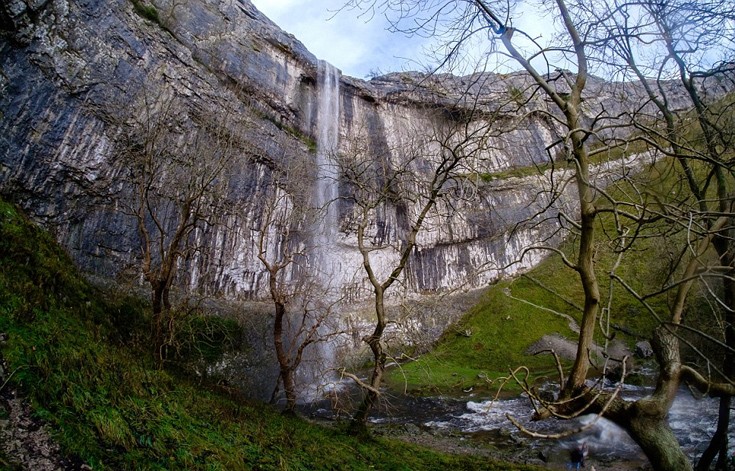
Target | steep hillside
(78,356)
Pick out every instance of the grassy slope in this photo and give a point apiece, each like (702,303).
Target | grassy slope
(77,356)
(489,340)
(502,328)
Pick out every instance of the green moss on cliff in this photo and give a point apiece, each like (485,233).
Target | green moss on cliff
(149,12)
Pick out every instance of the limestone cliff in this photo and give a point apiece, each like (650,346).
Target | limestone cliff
(69,68)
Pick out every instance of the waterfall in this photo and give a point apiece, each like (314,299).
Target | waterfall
(315,373)
(327,185)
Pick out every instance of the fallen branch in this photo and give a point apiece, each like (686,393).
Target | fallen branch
(574,431)
(359,382)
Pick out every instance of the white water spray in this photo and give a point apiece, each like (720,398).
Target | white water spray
(314,373)
(327,185)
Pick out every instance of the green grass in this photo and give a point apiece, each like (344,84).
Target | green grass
(492,339)
(80,357)
(494,336)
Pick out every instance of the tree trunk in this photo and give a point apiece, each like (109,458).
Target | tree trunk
(653,434)
(376,378)
(645,420)
(158,308)
(359,420)
(720,440)
(648,424)
(718,444)
(586,268)
(284,362)
(289,387)
(723,420)
(723,424)
(586,258)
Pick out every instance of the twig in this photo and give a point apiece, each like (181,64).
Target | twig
(573,326)
(571,432)
(359,382)
(559,367)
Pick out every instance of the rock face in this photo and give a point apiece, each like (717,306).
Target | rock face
(71,70)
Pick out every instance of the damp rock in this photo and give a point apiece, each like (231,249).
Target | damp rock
(643,349)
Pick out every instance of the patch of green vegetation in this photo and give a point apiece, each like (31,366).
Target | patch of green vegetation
(516,95)
(491,340)
(515,172)
(494,336)
(309,141)
(598,154)
(146,11)
(80,356)
(204,338)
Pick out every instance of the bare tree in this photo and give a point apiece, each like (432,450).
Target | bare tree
(176,163)
(687,44)
(462,24)
(645,420)
(412,178)
(302,307)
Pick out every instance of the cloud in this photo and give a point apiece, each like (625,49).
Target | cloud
(360,45)
(275,8)
(353,44)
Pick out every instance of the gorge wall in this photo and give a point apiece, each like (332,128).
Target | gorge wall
(69,69)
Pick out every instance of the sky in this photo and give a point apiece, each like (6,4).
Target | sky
(362,45)
(355,45)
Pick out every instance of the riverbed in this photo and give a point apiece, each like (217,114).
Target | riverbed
(473,423)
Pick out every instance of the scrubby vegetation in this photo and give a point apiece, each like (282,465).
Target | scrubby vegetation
(80,357)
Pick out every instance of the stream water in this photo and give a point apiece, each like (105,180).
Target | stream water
(476,418)
(693,421)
